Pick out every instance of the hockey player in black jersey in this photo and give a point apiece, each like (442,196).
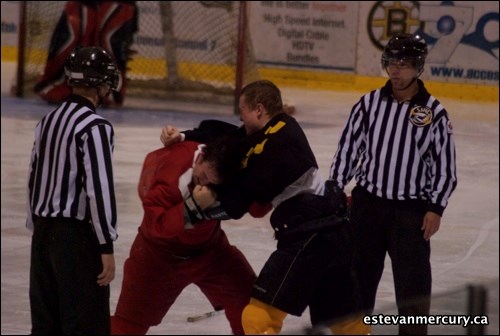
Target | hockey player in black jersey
(311,264)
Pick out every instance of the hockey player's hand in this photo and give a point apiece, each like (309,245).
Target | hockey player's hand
(337,197)
(203,196)
(170,135)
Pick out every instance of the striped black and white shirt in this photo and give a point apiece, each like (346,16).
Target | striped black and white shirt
(71,173)
(398,151)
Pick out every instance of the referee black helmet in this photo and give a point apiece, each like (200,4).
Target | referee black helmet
(92,66)
(406,47)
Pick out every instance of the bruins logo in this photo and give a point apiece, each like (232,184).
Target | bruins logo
(420,116)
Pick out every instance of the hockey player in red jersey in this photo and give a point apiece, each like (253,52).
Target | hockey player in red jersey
(108,24)
(176,246)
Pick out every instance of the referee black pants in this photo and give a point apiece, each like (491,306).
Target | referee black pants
(64,295)
(385,226)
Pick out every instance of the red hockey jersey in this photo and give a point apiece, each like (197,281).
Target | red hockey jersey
(164,184)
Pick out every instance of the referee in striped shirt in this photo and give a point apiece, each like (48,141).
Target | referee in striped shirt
(72,206)
(398,144)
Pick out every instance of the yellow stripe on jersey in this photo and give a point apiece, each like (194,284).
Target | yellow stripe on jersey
(275,128)
(257,149)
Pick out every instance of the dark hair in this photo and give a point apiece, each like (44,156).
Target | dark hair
(225,155)
(263,92)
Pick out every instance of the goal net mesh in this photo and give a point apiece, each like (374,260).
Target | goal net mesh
(183,50)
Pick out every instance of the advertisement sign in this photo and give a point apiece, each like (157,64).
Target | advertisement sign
(10,21)
(462,37)
(305,34)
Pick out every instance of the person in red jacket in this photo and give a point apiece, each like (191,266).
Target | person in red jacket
(176,246)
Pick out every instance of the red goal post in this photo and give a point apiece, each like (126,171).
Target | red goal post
(198,51)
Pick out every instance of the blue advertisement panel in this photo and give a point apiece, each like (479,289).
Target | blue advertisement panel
(462,37)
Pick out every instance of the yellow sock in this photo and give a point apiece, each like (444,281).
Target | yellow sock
(259,318)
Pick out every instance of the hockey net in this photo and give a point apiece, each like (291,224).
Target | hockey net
(183,50)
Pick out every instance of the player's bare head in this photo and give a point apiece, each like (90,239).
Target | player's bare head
(263,92)
(223,156)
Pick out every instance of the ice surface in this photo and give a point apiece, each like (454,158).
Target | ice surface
(464,251)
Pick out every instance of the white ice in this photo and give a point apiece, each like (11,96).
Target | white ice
(464,251)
